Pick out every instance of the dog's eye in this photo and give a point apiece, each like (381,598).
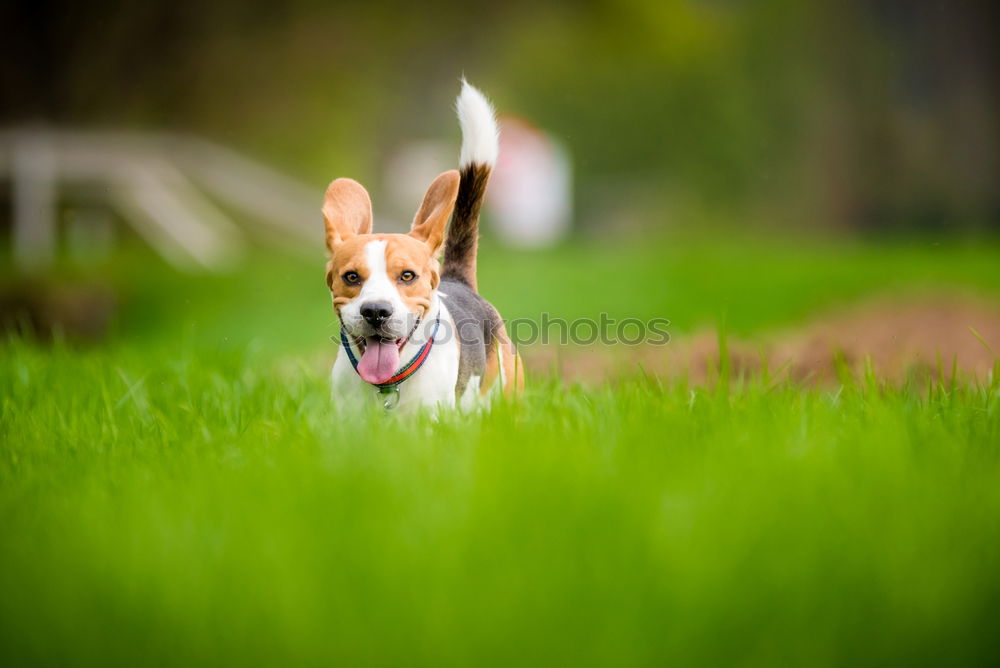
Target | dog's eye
(351,278)
(407,276)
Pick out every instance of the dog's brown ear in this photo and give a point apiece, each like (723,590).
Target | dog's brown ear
(347,210)
(432,217)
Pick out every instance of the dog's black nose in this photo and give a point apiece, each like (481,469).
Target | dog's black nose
(376,312)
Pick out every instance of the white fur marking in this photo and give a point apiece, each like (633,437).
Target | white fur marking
(378,286)
(480,136)
(375,258)
(471,397)
(501,376)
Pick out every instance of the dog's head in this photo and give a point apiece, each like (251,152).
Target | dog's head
(382,284)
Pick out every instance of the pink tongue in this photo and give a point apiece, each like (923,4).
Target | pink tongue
(379,361)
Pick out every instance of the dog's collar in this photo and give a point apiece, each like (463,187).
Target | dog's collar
(391,386)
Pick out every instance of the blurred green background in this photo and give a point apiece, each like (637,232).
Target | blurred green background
(867,116)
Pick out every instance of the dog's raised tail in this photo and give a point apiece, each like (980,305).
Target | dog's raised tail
(480,145)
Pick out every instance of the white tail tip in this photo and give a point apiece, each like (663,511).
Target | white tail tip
(480,136)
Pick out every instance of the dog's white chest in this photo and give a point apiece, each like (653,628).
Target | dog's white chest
(431,386)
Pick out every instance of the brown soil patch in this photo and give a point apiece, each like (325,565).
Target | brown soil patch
(900,337)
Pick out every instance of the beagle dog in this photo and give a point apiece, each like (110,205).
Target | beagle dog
(414,331)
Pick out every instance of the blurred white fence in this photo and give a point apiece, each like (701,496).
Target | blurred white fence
(164,186)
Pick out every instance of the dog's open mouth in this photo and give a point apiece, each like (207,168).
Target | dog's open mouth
(379,358)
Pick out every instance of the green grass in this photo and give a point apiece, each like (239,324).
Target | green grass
(279,303)
(187,493)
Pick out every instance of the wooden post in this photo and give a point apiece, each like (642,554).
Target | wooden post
(33,172)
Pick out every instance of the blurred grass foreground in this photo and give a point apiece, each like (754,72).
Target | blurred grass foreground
(807,473)
(186,492)
(191,511)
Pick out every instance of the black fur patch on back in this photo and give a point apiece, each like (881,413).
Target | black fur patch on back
(463,233)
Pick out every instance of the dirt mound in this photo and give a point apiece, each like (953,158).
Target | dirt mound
(900,337)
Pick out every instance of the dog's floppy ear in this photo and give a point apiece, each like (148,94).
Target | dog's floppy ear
(432,217)
(347,210)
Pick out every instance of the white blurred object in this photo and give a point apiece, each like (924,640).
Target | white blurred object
(529,197)
(530,191)
(158,183)
(409,171)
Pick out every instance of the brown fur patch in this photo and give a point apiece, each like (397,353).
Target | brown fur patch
(432,216)
(403,252)
(347,211)
(513,369)
(510,359)
(492,372)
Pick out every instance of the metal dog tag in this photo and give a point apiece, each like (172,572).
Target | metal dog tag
(391,398)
